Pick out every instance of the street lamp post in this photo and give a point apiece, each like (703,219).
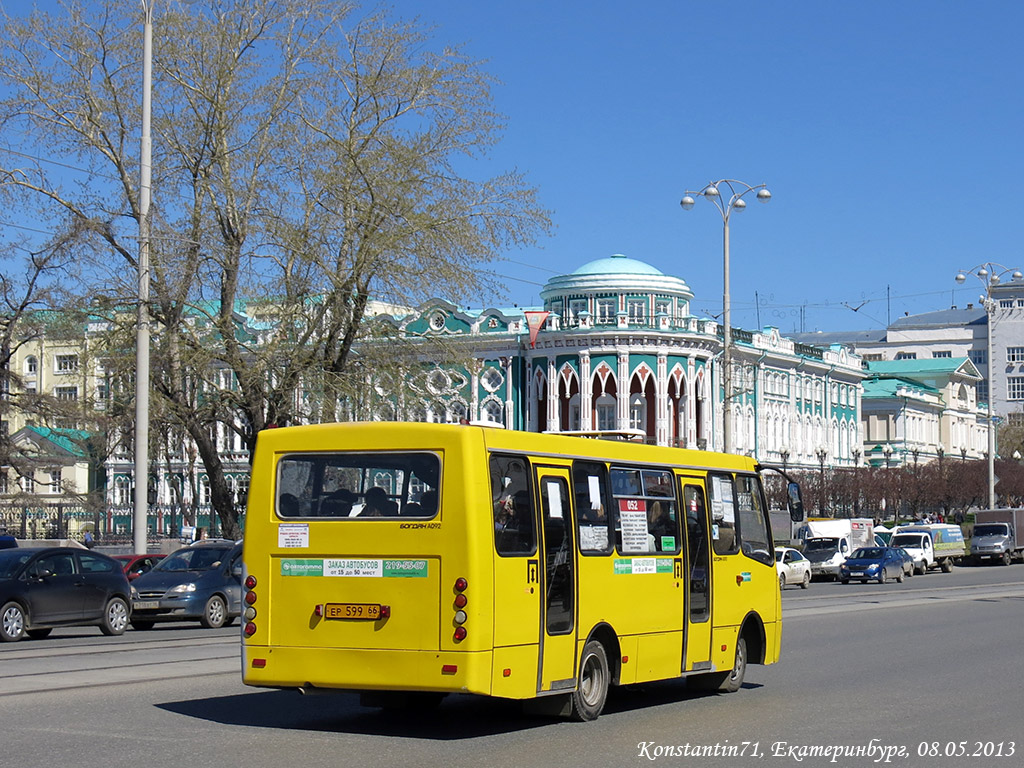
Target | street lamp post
(822,453)
(784,455)
(712,193)
(990,274)
(141,508)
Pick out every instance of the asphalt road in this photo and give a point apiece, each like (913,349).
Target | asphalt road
(881,673)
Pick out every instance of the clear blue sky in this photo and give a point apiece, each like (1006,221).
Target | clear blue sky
(888,133)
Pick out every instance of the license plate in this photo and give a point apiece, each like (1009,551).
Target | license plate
(142,605)
(352,611)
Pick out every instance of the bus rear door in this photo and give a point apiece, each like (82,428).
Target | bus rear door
(697,644)
(558,582)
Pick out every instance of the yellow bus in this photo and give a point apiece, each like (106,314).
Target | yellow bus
(410,560)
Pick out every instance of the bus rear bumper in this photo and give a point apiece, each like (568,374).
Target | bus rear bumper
(366,670)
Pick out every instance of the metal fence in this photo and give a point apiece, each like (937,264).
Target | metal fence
(113,525)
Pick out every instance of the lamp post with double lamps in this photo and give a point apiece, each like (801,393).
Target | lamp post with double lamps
(713,193)
(990,275)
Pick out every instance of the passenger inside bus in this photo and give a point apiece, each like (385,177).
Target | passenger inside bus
(378,504)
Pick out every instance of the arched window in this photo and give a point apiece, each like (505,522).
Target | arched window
(605,408)
(494,411)
(638,412)
(31,365)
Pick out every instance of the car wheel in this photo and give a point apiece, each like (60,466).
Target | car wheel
(141,625)
(39,634)
(882,577)
(12,623)
(215,613)
(899,576)
(1006,558)
(115,617)
(947,566)
(909,570)
(807,580)
(591,684)
(845,581)
(782,580)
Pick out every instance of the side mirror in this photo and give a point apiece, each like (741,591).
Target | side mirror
(795,503)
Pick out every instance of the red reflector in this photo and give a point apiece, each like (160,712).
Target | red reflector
(725,647)
(250,597)
(739,580)
(250,582)
(460,633)
(318,611)
(460,601)
(625,659)
(506,673)
(259,663)
(385,611)
(449,669)
(460,584)
(250,629)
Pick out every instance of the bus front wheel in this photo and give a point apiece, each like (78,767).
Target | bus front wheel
(591,684)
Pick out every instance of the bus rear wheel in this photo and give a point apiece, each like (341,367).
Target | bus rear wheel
(591,684)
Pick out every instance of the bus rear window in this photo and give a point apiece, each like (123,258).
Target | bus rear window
(358,485)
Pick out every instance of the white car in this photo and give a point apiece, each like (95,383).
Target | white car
(793,567)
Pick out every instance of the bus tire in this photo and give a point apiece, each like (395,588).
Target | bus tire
(591,683)
(725,682)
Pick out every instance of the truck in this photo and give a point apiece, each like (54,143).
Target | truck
(933,545)
(998,536)
(827,542)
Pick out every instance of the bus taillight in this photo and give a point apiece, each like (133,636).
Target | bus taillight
(460,634)
(250,582)
(460,601)
(250,597)
(250,629)
(461,584)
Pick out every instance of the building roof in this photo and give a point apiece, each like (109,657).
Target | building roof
(826,339)
(925,367)
(617,264)
(881,388)
(69,441)
(969,315)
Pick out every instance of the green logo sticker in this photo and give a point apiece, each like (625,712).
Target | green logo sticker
(302,567)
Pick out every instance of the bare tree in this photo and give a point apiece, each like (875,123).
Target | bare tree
(308,161)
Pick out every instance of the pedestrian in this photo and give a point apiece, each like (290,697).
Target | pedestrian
(90,542)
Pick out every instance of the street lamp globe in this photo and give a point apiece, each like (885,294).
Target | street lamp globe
(711,191)
(687,202)
(739,204)
(763,195)
(1017,275)
(960,277)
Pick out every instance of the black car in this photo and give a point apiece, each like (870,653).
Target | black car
(61,587)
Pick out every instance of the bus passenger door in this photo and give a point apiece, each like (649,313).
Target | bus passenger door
(558,583)
(697,639)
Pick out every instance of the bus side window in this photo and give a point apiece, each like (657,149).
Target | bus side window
(723,515)
(753,522)
(512,507)
(590,490)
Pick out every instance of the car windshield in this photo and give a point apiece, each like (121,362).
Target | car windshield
(991,529)
(868,553)
(11,560)
(193,559)
(906,540)
(820,544)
